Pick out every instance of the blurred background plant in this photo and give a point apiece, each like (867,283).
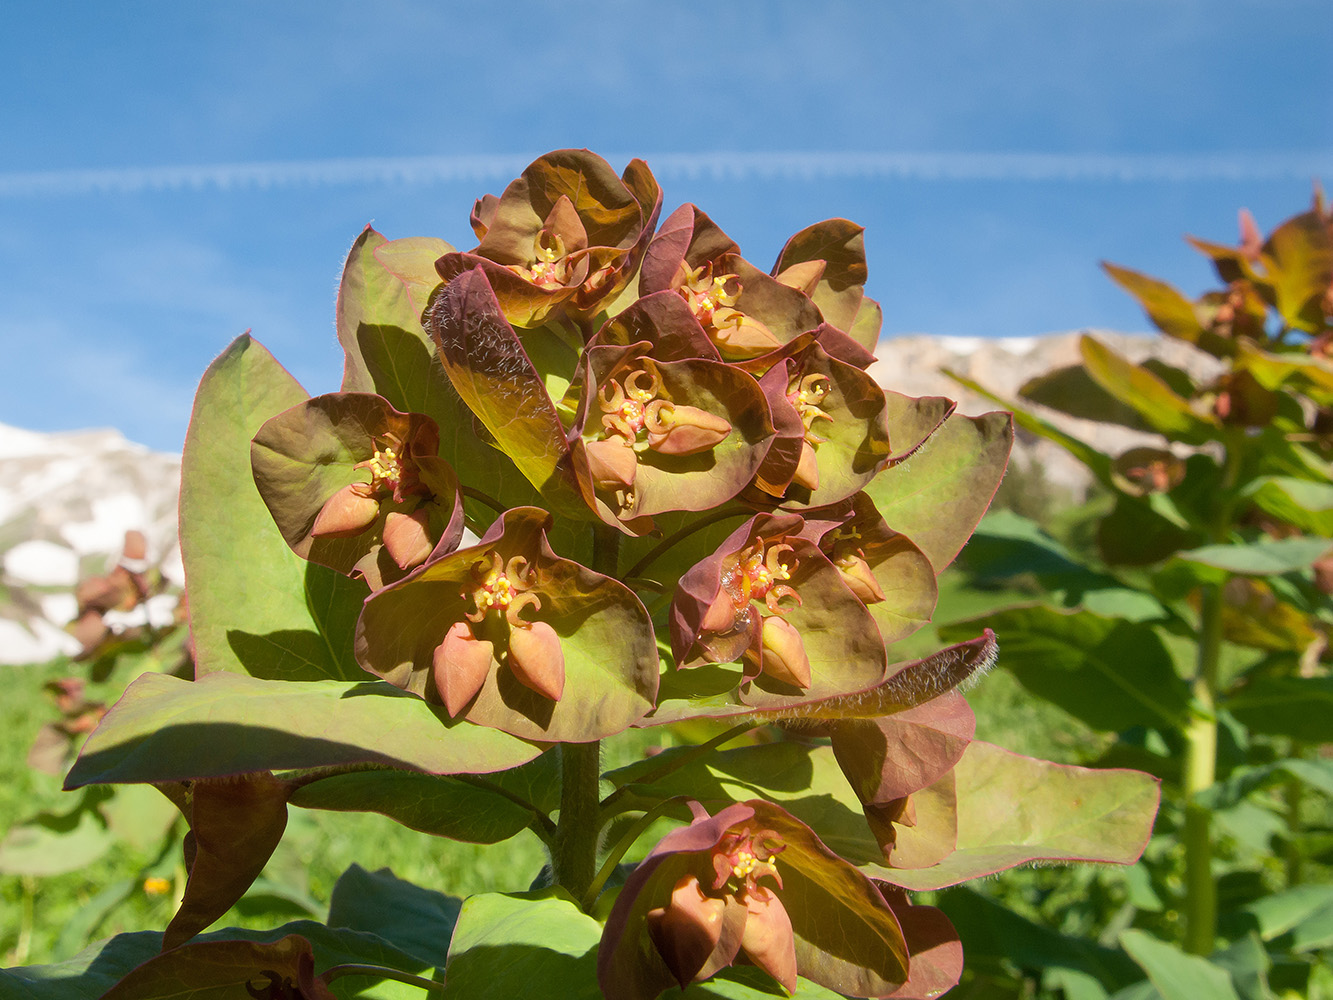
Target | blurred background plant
(1178,621)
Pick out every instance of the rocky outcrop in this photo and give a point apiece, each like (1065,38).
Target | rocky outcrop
(915,365)
(67,500)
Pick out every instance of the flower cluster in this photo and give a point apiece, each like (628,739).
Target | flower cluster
(612,391)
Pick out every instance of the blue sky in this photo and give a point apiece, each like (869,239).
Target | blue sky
(995,152)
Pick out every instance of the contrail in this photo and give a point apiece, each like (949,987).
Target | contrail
(724,166)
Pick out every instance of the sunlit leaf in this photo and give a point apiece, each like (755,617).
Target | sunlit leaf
(937,496)
(167,729)
(1014,809)
(255,606)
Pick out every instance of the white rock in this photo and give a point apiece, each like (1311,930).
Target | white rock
(44,564)
(35,643)
(59,609)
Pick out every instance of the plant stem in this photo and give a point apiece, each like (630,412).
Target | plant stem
(622,845)
(574,848)
(685,532)
(1200,773)
(380,972)
(1291,796)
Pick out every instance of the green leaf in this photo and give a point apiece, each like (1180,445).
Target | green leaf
(1305,912)
(1267,557)
(1111,674)
(90,974)
(416,920)
(168,729)
(503,944)
(219,969)
(749,983)
(386,288)
(1006,545)
(1298,257)
(220,965)
(440,805)
(1071,390)
(1146,392)
(938,495)
(372,295)
(1176,975)
(1271,370)
(1014,809)
(55,843)
(912,420)
(255,606)
(1169,310)
(993,934)
(1301,502)
(1137,533)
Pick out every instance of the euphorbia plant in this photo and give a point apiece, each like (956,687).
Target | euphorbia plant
(592,476)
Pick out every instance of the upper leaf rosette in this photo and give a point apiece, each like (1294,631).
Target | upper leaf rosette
(564,237)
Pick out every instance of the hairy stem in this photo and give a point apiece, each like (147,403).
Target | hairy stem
(574,847)
(622,845)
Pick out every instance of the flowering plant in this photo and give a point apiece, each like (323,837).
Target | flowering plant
(596,476)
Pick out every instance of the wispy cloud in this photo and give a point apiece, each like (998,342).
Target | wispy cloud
(808,166)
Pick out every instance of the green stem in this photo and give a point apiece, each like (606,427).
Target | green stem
(1200,773)
(574,847)
(483,498)
(380,972)
(675,763)
(689,529)
(622,845)
(1292,792)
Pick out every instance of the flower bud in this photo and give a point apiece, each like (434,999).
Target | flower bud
(783,656)
(739,336)
(347,513)
(536,658)
(807,468)
(768,940)
(407,537)
(460,665)
(612,462)
(804,277)
(860,579)
(684,430)
(687,930)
